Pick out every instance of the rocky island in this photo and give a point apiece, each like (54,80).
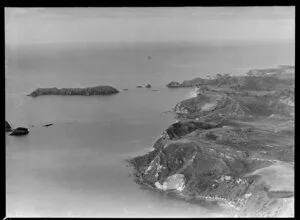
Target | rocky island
(19,131)
(89,91)
(232,144)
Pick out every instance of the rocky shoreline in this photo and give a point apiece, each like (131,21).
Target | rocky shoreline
(89,91)
(233,144)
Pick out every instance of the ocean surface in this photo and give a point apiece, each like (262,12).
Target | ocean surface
(77,167)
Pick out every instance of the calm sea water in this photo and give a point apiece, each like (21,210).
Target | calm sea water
(77,166)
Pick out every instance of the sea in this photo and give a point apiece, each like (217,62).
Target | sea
(77,167)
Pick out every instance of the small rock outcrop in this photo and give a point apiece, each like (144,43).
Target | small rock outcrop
(19,131)
(47,125)
(97,90)
(7,127)
(173,85)
(148,86)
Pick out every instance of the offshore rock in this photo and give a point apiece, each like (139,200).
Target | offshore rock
(7,127)
(19,131)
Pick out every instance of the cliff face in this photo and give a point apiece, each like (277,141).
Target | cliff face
(97,90)
(226,147)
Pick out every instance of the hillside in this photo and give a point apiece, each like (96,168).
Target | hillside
(227,144)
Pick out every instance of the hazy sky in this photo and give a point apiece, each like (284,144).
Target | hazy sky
(25,26)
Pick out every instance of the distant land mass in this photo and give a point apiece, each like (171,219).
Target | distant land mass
(232,144)
(89,91)
(255,79)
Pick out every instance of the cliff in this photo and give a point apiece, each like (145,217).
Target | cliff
(232,146)
(97,90)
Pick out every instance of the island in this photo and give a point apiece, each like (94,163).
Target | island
(89,91)
(232,144)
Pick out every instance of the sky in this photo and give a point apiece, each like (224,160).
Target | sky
(28,26)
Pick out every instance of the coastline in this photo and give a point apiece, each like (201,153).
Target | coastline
(236,129)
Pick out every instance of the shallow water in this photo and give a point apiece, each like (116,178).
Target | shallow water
(77,166)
